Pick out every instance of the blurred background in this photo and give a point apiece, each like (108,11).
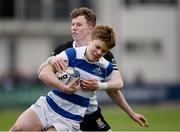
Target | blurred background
(147,50)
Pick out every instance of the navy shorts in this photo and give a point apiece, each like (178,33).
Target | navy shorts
(94,122)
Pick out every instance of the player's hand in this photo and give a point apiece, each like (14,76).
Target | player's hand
(90,84)
(59,64)
(140,119)
(72,86)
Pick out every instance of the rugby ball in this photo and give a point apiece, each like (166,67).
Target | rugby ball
(68,75)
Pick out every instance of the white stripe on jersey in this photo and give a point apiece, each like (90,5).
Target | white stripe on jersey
(66,105)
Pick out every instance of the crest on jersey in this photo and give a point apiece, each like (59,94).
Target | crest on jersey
(100,123)
(97,71)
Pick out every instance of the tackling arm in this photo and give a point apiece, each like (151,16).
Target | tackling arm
(119,99)
(116,82)
(44,64)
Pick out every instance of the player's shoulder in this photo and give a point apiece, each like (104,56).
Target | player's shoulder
(80,48)
(107,65)
(108,55)
(104,62)
(80,51)
(77,49)
(62,47)
(77,52)
(65,45)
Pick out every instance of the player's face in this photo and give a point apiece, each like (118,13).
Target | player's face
(95,50)
(81,31)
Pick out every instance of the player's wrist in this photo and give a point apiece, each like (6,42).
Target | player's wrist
(103,85)
(49,60)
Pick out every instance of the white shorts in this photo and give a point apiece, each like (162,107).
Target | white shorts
(50,118)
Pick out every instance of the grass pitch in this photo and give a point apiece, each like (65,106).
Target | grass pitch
(166,118)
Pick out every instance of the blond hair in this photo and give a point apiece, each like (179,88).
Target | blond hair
(105,34)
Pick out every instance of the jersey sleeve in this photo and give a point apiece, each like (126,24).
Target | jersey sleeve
(71,54)
(109,71)
(110,57)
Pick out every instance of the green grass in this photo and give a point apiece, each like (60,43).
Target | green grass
(8,117)
(159,118)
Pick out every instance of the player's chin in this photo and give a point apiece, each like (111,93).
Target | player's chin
(93,58)
(75,37)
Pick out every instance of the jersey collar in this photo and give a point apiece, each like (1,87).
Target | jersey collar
(74,44)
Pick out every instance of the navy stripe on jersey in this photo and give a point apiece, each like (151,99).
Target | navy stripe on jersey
(91,68)
(109,68)
(71,53)
(73,98)
(88,67)
(62,112)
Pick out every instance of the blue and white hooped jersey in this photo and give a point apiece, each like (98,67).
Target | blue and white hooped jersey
(74,106)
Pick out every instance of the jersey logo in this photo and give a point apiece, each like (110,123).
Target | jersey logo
(97,71)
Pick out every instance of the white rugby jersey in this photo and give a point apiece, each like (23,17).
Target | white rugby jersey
(74,106)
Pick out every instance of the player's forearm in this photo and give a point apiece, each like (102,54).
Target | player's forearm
(44,64)
(48,77)
(115,85)
(119,99)
(116,82)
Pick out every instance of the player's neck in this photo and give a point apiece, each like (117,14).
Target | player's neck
(81,43)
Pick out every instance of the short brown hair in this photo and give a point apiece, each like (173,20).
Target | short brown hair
(87,13)
(105,34)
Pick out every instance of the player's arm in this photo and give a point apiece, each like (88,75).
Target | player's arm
(48,76)
(44,64)
(59,64)
(119,99)
(117,96)
(115,82)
